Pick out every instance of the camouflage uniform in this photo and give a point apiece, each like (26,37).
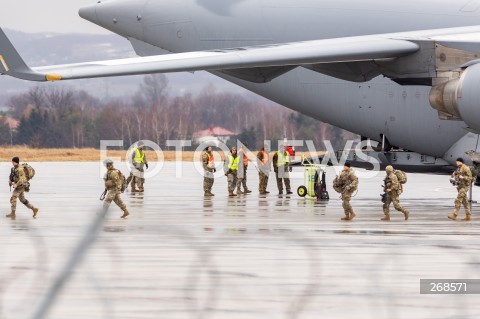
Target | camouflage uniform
(462,188)
(21,185)
(208,172)
(281,173)
(263,171)
(346,184)
(396,189)
(113,185)
(242,172)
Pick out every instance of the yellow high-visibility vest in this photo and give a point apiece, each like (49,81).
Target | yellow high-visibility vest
(139,157)
(233,163)
(283,159)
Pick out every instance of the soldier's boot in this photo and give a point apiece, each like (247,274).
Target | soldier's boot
(11,215)
(289,193)
(207,194)
(231,194)
(141,190)
(351,216)
(35,211)
(406,213)
(239,192)
(386,218)
(133,190)
(247,191)
(453,216)
(467,218)
(210,193)
(125,214)
(347,217)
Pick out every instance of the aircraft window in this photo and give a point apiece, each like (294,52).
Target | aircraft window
(471,6)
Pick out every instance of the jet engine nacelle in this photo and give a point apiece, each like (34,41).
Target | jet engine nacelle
(460,98)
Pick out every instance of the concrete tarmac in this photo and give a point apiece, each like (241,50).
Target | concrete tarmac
(179,255)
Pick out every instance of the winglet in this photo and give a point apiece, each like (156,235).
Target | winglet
(11,63)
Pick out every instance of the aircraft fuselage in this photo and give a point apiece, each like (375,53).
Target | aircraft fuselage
(379,106)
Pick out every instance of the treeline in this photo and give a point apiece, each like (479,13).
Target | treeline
(53,117)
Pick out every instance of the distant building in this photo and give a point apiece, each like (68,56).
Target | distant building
(214,135)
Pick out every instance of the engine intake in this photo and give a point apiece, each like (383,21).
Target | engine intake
(460,98)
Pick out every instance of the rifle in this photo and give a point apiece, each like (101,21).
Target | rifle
(102,197)
(384,195)
(454,179)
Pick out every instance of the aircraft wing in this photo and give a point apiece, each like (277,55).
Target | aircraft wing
(349,49)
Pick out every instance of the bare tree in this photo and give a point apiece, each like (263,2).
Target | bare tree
(154,89)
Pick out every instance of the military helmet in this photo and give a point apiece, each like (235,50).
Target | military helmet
(389,168)
(107,162)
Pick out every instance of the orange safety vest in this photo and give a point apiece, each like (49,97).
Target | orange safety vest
(264,158)
(245,157)
(211,163)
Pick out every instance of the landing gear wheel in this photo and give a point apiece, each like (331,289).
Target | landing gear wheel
(302,191)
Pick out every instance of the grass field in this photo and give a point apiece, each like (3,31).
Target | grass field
(86,155)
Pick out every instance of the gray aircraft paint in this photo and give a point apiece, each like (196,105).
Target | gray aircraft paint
(380,106)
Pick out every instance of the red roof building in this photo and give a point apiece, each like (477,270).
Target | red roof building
(213,134)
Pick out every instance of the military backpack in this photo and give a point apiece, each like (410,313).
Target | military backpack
(401,176)
(124,181)
(474,171)
(29,171)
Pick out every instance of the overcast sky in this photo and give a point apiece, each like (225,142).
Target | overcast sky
(46,16)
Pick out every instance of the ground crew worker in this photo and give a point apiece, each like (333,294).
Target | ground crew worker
(139,160)
(113,185)
(346,184)
(231,170)
(263,170)
(242,172)
(208,169)
(462,177)
(20,185)
(281,159)
(393,190)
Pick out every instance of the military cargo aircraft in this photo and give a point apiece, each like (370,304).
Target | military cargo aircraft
(403,73)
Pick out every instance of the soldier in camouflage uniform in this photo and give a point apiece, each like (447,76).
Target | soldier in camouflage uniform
(231,169)
(393,189)
(242,171)
(463,178)
(139,160)
(281,162)
(346,184)
(263,170)
(20,185)
(113,186)
(208,169)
